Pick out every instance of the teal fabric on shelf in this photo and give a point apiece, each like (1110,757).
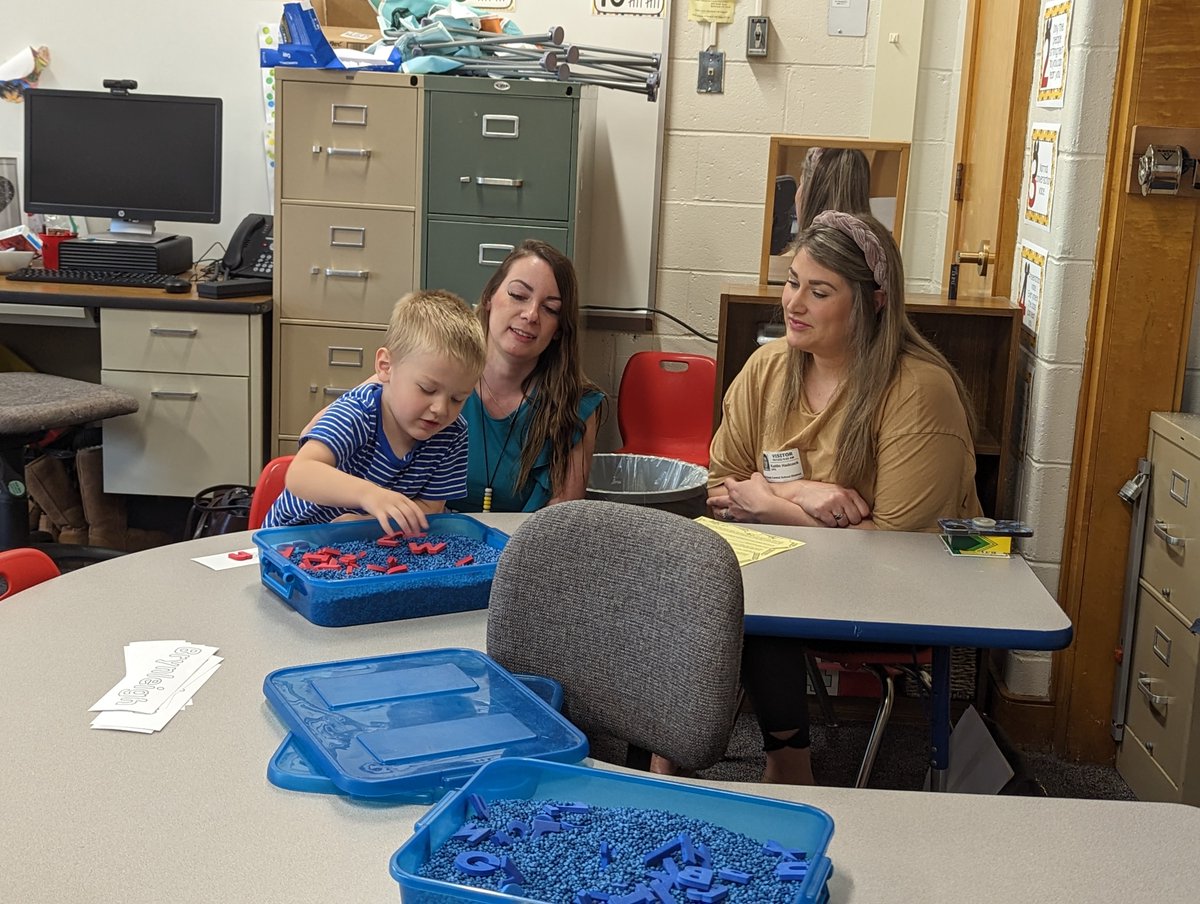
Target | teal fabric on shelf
(504,458)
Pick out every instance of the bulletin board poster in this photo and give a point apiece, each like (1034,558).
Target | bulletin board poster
(1052,64)
(1039,192)
(1030,280)
(719,11)
(627,7)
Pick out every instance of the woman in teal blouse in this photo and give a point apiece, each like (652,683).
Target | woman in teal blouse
(533,418)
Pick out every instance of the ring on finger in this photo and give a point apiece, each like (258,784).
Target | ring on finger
(838,516)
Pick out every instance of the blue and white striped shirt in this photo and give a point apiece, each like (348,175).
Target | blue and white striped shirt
(352,428)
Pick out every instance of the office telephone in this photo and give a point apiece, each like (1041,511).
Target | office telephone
(251,250)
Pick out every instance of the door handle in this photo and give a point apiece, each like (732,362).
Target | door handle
(176,396)
(983,258)
(168,331)
(1160,530)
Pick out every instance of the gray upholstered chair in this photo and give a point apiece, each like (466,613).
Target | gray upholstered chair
(637,613)
(31,404)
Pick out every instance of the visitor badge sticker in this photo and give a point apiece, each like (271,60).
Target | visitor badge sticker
(782,466)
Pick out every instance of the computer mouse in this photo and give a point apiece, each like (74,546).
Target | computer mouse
(177,285)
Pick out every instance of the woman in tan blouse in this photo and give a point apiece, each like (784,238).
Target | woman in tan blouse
(851,420)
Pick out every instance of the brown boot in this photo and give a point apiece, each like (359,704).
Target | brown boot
(105,512)
(50,485)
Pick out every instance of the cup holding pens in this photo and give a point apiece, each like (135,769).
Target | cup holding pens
(50,243)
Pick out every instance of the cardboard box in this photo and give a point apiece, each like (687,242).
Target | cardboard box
(348,23)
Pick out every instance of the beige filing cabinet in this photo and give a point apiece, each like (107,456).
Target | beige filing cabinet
(198,380)
(347,230)
(1160,754)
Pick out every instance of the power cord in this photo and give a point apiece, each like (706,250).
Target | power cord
(653,312)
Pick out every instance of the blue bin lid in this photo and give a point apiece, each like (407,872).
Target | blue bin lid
(412,725)
(290,769)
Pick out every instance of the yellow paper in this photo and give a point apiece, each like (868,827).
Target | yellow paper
(711,11)
(749,545)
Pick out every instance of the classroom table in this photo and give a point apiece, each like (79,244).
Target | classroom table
(187,815)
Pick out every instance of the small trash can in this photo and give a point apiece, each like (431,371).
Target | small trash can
(662,483)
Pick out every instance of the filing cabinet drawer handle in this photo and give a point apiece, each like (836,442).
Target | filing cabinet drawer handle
(335,242)
(360,111)
(511,126)
(485,261)
(169,331)
(1143,684)
(174,396)
(347,152)
(334,391)
(497,181)
(347,274)
(1160,530)
(353,353)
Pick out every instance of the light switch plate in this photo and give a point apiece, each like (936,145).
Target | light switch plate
(712,72)
(848,18)
(757,29)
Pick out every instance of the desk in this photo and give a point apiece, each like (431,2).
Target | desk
(197,367)
(188,816)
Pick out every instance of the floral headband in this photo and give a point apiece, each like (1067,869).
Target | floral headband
(867,242)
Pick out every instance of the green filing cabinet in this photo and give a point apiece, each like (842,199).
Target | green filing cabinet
(504,161)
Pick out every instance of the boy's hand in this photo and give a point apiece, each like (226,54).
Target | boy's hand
(388,506)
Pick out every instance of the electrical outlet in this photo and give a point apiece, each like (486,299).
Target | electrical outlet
(757,29)
(711,78)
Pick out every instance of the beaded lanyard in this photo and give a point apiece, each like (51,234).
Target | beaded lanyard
(487,490)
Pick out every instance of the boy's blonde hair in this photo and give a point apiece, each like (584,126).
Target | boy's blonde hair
(436,321)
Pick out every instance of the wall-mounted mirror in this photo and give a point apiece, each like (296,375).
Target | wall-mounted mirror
(886,165)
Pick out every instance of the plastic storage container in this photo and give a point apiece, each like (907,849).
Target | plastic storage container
(410,726)
(375,597)
(291,770)
(790,824)
(662,483)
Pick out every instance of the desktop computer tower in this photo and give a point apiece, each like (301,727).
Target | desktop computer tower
(170,255)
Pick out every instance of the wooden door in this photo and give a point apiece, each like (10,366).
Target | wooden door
(989,141)
(1137,342)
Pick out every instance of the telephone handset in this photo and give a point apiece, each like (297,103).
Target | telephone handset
(251,250)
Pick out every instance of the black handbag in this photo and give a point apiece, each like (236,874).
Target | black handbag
(220,509)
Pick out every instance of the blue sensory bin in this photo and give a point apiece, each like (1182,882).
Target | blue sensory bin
(792,825)
(290,768)
(375,597)
(410,726)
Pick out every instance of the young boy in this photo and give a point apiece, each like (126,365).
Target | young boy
(394,449)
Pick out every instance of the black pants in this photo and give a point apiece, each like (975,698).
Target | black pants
(775,678)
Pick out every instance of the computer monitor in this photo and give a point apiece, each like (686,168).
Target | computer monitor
(135,158)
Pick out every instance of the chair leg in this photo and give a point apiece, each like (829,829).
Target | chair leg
(818,683)
(887,691)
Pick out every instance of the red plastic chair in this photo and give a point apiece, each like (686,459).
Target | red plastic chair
(665,405)
(268,488)
(23,568)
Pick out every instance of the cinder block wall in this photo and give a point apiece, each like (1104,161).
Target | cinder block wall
(1052,368)
(715,159)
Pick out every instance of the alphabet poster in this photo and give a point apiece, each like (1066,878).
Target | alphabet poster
(1039,189)
(1052,60)
(1030,279)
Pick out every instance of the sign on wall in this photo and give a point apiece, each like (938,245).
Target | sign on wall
(1052,60)
(720,11)
(1039,191)
(627,7)
(1030,280)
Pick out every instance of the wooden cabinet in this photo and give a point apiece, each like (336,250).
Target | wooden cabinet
(1159,754)
(978,336)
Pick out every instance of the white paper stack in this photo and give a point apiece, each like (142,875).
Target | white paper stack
(160,678)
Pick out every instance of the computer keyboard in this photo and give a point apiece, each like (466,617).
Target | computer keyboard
(94,277)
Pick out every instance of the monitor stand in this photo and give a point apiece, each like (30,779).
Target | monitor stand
(143,231)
